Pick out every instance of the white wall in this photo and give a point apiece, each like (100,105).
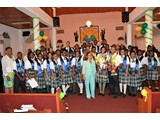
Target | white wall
(109,20)
(16,41)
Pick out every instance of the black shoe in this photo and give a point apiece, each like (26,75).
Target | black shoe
(156,90)
(134,95)
(73,93)
(130,94)
(99,93)
(121,94)
(124,95)
(66,95)
(103,94)
(110,94)
(115,96)
(80,93)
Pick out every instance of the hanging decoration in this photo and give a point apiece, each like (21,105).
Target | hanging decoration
(143,31)
(144,27)
(138,29)
(42,36)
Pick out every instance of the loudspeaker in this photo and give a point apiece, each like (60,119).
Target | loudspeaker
(26,33)
(56,22)
(125,16)
(158,25)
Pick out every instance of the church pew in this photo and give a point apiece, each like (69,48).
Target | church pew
(41,102)
(151,104)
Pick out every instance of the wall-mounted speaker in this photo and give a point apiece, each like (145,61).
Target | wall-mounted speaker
(125,16)
(25,33)
(158,26)
(56,22)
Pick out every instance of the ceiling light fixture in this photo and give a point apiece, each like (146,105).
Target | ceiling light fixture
(88,23)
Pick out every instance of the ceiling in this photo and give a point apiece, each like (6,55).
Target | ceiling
(10,15)
(156,16)
(80,10)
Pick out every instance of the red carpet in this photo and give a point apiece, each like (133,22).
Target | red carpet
(101,104)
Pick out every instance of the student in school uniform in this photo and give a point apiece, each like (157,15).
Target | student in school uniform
(143,69)
(55,83)
(115,62)
(89,75)
(29,69)
(78,72)
(39,74)
(150,48)
(71,59)
(19,78)
(7,68)
(47,71)
(123,71)
(153,70)
(134,74)
(65,71)
(102,75)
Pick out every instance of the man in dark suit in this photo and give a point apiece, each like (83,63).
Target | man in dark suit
(68,48)
(1,78)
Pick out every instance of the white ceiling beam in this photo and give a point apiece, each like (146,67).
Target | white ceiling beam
(37,12)
(154,22)
(137,13)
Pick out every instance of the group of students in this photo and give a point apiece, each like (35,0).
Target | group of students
(89,64)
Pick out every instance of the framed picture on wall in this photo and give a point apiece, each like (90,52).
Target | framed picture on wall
(89,34)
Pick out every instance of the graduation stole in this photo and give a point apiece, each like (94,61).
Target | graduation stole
(94,57)
(141,58)
(124,64)
(65,68)
(70,63)
(48,68)
(56,71)
(98,50)
(136,68)
(20,69)
(40,71)
(150,63)
(102,58)
(32,63)
(113,59)
(78,65)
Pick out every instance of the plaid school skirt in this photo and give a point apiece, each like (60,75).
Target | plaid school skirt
(41,82)
(102,77)
(31,73)
(143,78)
(122,78)
(77,78)
(9,84)
(152,74)
(55,84)
(67,79)
(134,81)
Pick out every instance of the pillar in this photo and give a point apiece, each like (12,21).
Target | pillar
(36,30)
(54,41)
(149,29)
(129,34)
